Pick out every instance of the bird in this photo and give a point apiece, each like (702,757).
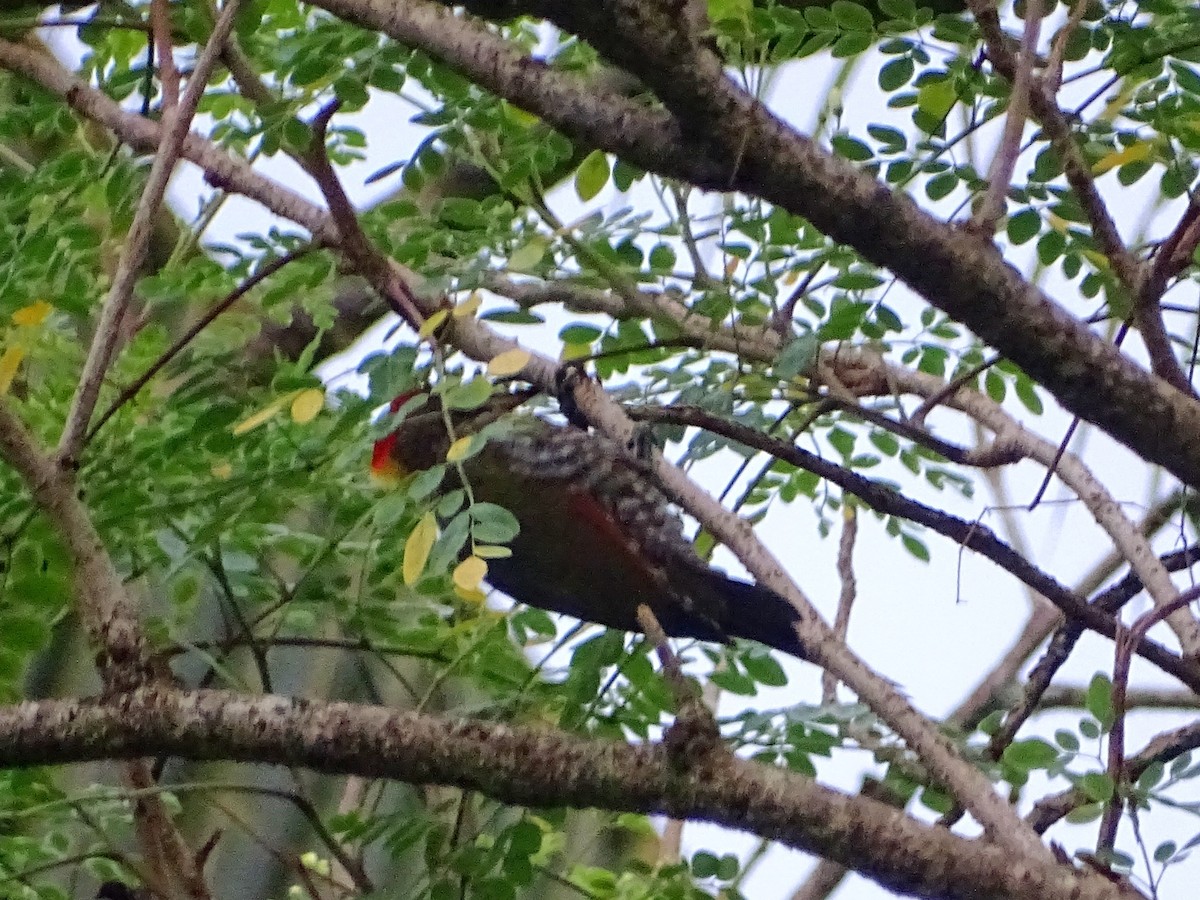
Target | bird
(598,536)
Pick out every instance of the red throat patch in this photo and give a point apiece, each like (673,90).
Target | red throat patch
(383,464)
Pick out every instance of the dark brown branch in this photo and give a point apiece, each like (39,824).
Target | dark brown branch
(1130,273)
(1064,641)
(1116,765)
(962,276)
(532,767)
(971,535)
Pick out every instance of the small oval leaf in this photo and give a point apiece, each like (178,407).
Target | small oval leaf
(469,573)
(459,450)
(508,363)
(307,404)
(417,547)
(263,415)
(433,323)
(468,307)
(592,175)
(10,362)
(33,314)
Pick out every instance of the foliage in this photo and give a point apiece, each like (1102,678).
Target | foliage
(232,494)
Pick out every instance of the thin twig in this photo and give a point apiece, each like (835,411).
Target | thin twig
(1058,47)
(1063,642)
(952,387)
(135,387)
(694,736)
(353,241)
(1107,834)
(112,314)
(845,570)
(168,74)
(969,534)
(991,208)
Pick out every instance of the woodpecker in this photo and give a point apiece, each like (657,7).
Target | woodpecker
(597,535)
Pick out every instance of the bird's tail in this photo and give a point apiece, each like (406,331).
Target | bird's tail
(760,614)
(757,613)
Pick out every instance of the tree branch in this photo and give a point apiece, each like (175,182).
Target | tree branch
(532,767)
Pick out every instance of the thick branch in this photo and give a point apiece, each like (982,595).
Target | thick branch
(731,142)
(538,768)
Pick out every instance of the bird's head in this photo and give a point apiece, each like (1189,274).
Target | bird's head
(422,437)
(385,464)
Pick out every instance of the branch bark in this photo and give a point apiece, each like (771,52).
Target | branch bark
(532,767)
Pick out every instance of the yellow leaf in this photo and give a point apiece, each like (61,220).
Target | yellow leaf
(527,255)
(492,551)
(469,573)
(731,265)
(936,99)
(9,363)
(433,323)
(307,404)
(576,351)
(1057,222)
(1114,106)
(1099,260)
(222,470)
(510,362)
(33,314)
(1135,152)
(475,597)
(468,307)
(458,450)
(417,547)
(263,415)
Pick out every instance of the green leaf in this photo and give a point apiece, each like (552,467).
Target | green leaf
(850,44)
(1099,700)
(512,317)
(1027,394)
(704,864)
(764,668)
(579,334)
(728,867)
(468,395)
(528,255)
(895,74)
(592,175)
(852,16)
(1066,739)
(493,524)
(935,98)
(915,546)
(1098,786)
(941,186)
(1164,851)
(797,356)
(624,175)
(1024,226)
(893,139)
(1025,756)
(734,682)
(851,148)
(1082,815)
